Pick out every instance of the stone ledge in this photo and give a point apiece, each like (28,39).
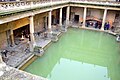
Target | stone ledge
(9,73)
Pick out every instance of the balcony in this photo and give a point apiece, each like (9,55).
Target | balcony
(21,6)
(18,6)
(109,3)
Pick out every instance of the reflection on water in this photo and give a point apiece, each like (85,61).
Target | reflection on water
(80,54)
(74,70)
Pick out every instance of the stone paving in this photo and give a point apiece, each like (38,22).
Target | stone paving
(42,42)
(75,24)
(10,73)
(17,54)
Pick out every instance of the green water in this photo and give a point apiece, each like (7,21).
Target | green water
(80,55)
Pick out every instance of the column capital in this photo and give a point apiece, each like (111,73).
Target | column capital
(50,10)
(106,8)
(32,15)
(61,7)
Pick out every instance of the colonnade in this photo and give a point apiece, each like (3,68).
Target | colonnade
(32,39)
(103,20)
(31,19)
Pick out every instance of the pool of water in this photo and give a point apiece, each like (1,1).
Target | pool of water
(80,55)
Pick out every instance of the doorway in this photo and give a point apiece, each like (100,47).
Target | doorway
(76,18)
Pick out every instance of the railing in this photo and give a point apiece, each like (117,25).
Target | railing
(11,6)
(98,2)
(27,5)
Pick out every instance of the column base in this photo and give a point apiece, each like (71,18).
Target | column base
(49,29)
(102,29)
(83,26)
(32,46)
(60,25)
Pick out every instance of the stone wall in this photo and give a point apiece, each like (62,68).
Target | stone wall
(39,20)
(3,40)
(97,13)
(77,11)
(110,17)
(93,13)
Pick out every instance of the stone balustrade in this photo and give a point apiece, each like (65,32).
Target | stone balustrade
(98,2)
(12,6)
(18,6)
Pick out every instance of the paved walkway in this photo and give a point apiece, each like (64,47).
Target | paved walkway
(18,54)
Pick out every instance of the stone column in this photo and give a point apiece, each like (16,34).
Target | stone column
(49,19)
(1,61)
(12,37)
(84,16)
(67,15)
(60,19)
(104,18)
(32,38)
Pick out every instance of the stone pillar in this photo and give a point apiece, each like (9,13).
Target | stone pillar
(60,19)
(1,61)
(104,18)
(32,38)
(84,16)
(12,37)
(67,15)
(49,19)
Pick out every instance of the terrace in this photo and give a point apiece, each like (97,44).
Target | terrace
(22,6)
